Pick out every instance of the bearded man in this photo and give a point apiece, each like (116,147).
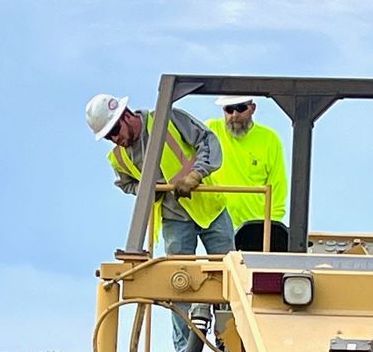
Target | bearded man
(252,156)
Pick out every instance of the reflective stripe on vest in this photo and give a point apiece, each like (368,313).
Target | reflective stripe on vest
(185,162)
(126,163)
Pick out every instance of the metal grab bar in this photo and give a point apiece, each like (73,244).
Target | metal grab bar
(266,190)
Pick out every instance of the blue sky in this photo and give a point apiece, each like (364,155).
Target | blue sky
(62,215)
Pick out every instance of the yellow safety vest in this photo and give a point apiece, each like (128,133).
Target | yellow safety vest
(177,160)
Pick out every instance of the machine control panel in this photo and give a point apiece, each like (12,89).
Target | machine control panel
(338,243)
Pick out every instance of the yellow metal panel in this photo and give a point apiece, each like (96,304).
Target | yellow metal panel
(230,337)
(342,306)
(309,333)
(240,303)
(335,293)
(113,270)
(156,282)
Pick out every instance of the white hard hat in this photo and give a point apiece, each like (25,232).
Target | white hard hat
(232,99)
(102,112)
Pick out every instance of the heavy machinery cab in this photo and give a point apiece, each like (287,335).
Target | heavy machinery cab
(316,297)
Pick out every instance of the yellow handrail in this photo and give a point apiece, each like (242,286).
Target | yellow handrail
(266,190)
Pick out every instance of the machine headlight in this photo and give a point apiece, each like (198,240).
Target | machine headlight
(298,289)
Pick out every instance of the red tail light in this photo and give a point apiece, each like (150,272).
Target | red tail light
(267,282)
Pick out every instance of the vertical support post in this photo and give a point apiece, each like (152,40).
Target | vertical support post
(303,111)
(108,333)
(136,236)
(301,168)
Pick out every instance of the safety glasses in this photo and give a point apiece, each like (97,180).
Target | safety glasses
(238,107)
(114,131)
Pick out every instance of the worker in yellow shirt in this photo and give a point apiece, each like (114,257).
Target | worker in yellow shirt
(252,156)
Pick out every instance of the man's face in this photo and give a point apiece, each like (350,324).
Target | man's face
(238,117)
(126,131)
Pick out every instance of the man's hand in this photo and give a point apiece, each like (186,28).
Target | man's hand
(184,187)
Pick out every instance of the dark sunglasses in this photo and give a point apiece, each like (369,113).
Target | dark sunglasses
(114,131)
(238,107)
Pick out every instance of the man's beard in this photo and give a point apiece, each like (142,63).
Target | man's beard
(238,129)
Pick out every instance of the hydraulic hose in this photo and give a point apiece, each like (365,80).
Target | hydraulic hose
(148,301)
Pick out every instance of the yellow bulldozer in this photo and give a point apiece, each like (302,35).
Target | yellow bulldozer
(316,297)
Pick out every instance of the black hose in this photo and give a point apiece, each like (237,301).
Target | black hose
(195,344)
(201,317)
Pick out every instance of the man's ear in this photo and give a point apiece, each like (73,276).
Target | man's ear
(253,107)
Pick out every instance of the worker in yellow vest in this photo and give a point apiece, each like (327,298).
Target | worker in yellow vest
(190,154)
(252,156)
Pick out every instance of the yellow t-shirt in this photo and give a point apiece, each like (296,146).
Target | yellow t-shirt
(254,159)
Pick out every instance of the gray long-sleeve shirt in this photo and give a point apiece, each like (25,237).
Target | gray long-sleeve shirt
(193,132)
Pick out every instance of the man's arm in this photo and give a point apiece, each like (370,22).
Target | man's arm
(195,133)
(126,183)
